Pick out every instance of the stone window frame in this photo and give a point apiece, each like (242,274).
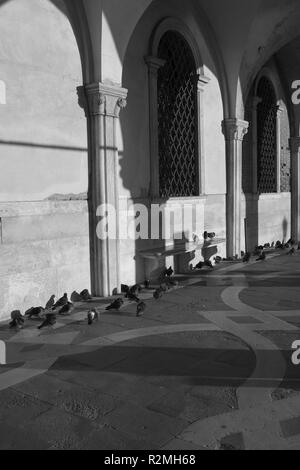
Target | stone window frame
(154,63)
(268,74)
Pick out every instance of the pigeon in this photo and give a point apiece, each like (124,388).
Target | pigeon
(168,272)
(34,312)
(86,296)
(279,245)
(115,305)
(92,316)
(158,294)
(124,289)
(49,321)
(66,309)
(61,302)
(75,297)
(199,265)
(140,309)
(50,303)
(17,320)
(132,297)
(171,283)
(147,284)
(164,287)
(137,288)
(247,257)
(262,257)
(209,264)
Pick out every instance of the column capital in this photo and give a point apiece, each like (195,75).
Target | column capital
(234,129)
(154,64)
(294,144)
(202,81)
(256,101)
(279,109)
(100,99)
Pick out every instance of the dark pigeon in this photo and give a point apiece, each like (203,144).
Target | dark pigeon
(115,305)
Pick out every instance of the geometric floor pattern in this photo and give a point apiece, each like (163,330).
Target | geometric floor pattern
(207,367)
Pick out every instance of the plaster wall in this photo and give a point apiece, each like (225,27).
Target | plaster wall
(44,242)
(43,140)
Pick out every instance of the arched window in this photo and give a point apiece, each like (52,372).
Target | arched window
(177,118)
(266,137)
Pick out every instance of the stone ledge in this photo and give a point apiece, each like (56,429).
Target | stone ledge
(18,209)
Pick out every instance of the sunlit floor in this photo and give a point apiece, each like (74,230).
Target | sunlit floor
(207,367)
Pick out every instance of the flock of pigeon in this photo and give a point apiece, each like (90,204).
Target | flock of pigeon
(63,306)
(131,293)
(260,251)
(49,313)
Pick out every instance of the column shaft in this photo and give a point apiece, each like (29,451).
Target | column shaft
(295,160)
(102,105)
(154,64)
(234,131)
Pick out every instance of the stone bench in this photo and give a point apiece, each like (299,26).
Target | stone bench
(182,252)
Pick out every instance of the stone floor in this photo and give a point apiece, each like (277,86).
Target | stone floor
(207,367)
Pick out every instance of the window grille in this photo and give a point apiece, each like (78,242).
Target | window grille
(267,140)
(285,157)
(177,119)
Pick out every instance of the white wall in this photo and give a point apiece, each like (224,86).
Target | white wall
(44,244)
(40,66)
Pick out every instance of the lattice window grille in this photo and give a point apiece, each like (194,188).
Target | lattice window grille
(177,117)
(267,139)
(285,157)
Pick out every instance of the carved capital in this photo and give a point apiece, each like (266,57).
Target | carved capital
(100,99)
(154,64)
(279,110)
(202,81)
(256,101)
(235,129)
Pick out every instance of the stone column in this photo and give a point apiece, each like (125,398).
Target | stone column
(256,102)
(234,131)
(154,64)
(295,160)
(278,141)
(102,104)
(202,81)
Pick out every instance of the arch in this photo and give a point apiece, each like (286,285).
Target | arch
(78,20)
(266,136)
(268,74)
(75,13)
(177,137)
(174,24)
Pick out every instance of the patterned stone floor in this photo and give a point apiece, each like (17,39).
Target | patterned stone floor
(207,367)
